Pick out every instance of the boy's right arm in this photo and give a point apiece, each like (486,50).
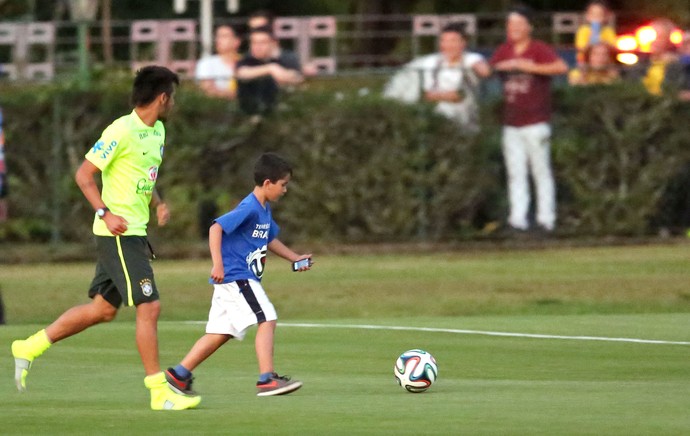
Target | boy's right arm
(215,235)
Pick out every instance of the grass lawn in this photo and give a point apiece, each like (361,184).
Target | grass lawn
(93,384)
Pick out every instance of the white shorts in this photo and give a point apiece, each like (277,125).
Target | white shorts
(237,306)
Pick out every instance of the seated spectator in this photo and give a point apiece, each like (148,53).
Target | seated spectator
(265,18)
(260,75)
(594,30)
(663,70)
(216,74)
(449,78)
(599,67)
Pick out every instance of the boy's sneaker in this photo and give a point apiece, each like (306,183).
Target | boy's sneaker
(178,384)
(277,385)
(163,398)
(22,363)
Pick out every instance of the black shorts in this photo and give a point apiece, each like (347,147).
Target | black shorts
(124,273)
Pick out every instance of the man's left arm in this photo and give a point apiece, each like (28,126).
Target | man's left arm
(554,68)
(162,211)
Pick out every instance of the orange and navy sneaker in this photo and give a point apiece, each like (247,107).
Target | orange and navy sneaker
(277,385)
(178,384)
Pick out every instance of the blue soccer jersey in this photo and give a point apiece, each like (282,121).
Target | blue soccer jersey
(247,230)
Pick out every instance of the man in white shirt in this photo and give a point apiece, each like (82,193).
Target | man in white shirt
(450,78)
(216,74)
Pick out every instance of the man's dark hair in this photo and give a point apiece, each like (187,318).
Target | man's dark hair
(523,10)
(458,28)
(262,29)
(263,13)
(271,166)
(152,81)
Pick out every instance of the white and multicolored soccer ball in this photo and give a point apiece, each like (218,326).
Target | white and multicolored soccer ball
(416,370)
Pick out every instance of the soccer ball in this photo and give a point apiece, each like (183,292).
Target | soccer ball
(415,370)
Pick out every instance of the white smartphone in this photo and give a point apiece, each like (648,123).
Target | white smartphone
(301,264)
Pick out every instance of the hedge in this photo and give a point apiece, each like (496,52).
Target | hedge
(366,169)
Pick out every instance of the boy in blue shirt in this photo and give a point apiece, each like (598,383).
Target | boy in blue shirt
(238,242)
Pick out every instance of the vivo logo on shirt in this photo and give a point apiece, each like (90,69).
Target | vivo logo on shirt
(105,151)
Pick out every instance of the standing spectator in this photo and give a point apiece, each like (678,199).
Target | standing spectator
(3,174)
(216,74)
(449,78)
(525,67)
(127,157)
(260,75)
(594,30)
(599,67)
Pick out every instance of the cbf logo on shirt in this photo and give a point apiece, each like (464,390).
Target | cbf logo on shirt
(102,150)
(256,261)
(146,186)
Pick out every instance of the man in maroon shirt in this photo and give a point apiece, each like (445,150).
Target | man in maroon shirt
(525,67)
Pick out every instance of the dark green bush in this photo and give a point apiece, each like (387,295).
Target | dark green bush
(366,169)
(616,150)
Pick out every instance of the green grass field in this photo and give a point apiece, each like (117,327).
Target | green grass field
(93,384)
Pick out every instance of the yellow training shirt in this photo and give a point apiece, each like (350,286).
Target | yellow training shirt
(128,153)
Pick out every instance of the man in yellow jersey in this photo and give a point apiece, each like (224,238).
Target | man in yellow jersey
(128,155)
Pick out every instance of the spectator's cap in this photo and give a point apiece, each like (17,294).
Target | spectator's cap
(523,11)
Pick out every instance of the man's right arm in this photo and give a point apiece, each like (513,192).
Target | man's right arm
(247,72)
(85,180)
(280,74)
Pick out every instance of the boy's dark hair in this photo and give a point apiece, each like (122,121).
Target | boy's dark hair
(152,81)
(271,166)
(458,28)
(262,29)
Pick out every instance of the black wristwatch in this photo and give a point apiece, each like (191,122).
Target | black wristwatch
(101,212)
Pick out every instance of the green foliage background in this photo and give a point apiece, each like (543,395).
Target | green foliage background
(366,169)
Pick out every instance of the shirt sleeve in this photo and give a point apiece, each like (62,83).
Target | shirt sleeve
(582,37)
(545,54)
(608,35)
(232,220)
(107,148)
(472,58)
(290,61)
(499,55)
(202,69)
(273,231)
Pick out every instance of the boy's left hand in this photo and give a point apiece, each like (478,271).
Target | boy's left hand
(306,267)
